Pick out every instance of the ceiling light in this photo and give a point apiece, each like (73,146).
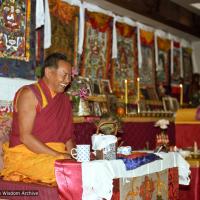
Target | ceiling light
(196,5)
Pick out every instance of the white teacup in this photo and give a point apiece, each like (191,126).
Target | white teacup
(81,153)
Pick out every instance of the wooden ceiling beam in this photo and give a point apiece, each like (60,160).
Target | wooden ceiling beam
(165,12)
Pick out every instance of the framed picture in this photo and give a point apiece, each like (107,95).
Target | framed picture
(112,103)
(96,87)
(132,108)
(97,109)
(104,107)
(105,86)
(145,93)
(91,107)
(142,106)
(170,104)
(152,93)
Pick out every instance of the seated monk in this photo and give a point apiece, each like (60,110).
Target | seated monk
(42,128)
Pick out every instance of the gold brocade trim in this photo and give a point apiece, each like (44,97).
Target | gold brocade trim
(189,50)
(147,36)
(164,44)
(125,30)
(27,53)
(62,10)
(99,20)
(76,42)
(77,119)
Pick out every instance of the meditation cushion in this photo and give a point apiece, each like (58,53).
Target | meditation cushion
(5,125)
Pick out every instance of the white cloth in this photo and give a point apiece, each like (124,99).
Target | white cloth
(9,86)
(39,13)
(47,26)
(43,18)
(97,176)
(183,170)
(100,141)
(114,39)
(178,161)
(97,179)
(195,56)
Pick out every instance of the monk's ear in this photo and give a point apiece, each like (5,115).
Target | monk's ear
(48,72)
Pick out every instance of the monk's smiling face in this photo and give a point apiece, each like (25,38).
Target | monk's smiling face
(60,77)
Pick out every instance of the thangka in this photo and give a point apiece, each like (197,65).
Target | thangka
(17,41)
(187,65)
(147,70)
(125,66)
(15,29)
(64,23)
(163,67)
(176,66)
(96,55)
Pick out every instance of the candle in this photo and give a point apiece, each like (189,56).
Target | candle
(138,89)
(126,91)
(181,94)
(195,147)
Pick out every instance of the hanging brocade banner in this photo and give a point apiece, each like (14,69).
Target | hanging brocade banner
(163,67)
(15,29)
(147,70)
(64,23)
(176,66)
(125,66)
(187,65)
(96,55)
(17,38)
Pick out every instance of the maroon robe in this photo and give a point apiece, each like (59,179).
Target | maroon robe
(53,123)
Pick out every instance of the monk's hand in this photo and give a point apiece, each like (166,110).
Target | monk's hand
(68,156)
(65,155)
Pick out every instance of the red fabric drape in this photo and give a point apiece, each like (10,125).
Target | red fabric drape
(135,134)
(186,134)
(192,191)
(69,179)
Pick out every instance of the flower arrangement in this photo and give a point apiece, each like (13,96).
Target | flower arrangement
(83,93)
(79,91)
(79,85)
